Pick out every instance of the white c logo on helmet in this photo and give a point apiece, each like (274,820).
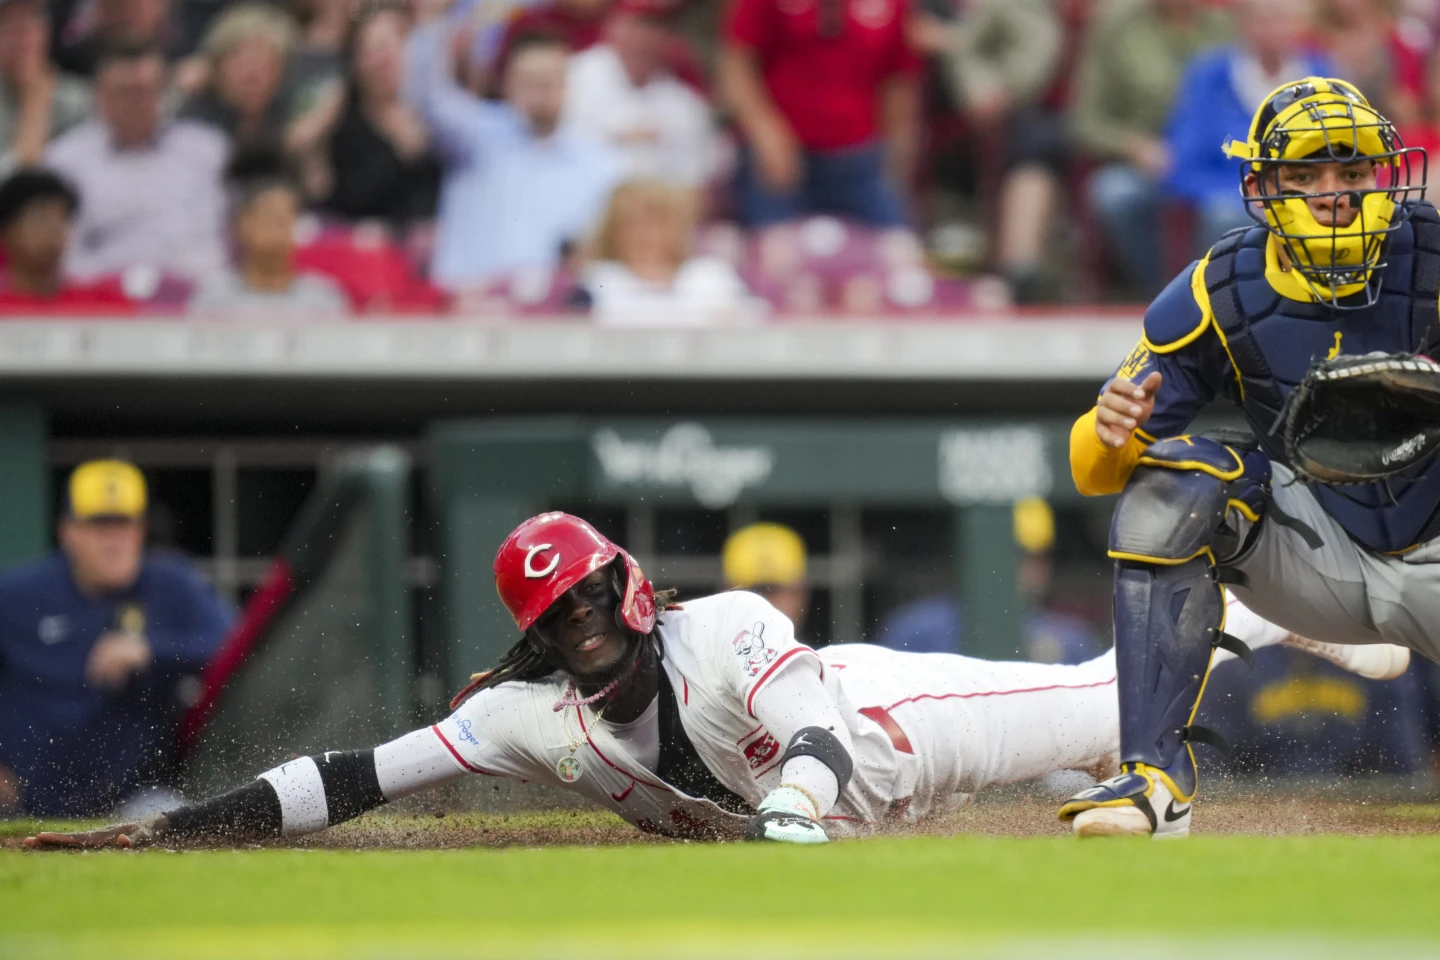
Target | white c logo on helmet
(530,572)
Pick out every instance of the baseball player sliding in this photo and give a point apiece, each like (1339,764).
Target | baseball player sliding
(702,720)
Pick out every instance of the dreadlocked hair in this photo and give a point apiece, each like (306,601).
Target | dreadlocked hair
(525,661)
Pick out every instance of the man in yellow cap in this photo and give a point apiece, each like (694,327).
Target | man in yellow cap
(769,559)
(93,642)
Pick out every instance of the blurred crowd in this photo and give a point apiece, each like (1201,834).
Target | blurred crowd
(647,161)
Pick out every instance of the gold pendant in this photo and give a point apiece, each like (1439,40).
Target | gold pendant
(569,769)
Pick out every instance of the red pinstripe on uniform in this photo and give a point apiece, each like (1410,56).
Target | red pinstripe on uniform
(456,754)
(640,780)
(999,693)
(881,715)
(765,677)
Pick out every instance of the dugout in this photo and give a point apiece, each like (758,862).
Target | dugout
(322,655)
(486,476)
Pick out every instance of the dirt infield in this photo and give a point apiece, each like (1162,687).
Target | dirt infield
(1257,815)
(1018,814)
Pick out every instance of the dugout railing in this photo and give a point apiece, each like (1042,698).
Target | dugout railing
(322,655)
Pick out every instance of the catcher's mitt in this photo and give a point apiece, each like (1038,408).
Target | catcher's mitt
(1358,419)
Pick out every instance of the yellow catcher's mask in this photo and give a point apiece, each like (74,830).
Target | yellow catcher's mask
(1322,121)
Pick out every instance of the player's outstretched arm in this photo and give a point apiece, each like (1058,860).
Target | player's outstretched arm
(296,798)
(122,836)
(817,763)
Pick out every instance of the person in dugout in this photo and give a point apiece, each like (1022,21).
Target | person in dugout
(95,642)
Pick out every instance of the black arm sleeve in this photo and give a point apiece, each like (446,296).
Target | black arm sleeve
(254,811)
(251,812)
(351,784)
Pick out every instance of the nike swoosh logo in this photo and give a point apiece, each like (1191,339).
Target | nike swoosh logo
(619,797)
(1171,814)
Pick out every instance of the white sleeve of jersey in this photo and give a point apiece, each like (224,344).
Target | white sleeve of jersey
(760,642)
(482,736)
(791,701)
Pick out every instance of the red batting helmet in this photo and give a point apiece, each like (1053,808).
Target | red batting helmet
(549,554)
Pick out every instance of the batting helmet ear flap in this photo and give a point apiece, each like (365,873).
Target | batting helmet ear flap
(637,600)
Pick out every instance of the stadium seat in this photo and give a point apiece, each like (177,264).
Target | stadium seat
(538,292)
(373,269)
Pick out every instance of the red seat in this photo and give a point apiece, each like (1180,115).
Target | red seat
(374,271)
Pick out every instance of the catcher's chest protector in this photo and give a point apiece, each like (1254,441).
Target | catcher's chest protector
(1273,341)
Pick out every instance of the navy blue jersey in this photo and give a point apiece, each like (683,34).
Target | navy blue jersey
(1285,335)
(78,750)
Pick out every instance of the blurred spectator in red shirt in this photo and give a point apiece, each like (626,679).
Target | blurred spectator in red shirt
(88,27)
(37,102)
(245,50)
(150,192)
(623,92)
(1424,130)
(36,212)
(827,96)
(364,151)
(264,283)
(1368,48)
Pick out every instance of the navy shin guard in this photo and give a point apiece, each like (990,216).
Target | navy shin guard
(1167,622)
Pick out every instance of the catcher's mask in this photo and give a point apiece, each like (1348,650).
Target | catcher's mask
(1322,121)
(548,554)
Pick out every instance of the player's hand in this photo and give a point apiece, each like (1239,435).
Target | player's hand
(786,815)
(1123,407)
(115,657)
(777,155)
(120,836)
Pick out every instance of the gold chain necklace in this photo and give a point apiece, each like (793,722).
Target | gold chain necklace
(569,768)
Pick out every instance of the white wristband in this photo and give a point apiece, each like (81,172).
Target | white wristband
(303,808)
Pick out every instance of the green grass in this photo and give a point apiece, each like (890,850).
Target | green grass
(962,896)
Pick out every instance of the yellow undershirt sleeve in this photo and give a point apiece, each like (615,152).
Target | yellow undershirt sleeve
(1099,469)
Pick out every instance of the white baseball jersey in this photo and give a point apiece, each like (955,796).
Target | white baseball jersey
(928,730)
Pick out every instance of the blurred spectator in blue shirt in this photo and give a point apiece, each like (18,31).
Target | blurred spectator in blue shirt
(1219,94)
(518,187)
(1049,634)
(94,642)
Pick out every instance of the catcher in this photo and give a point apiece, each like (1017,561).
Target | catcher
(703,721)
(1314,323)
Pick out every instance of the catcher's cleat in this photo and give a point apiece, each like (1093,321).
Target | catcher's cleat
(1140,801)
(1373,661)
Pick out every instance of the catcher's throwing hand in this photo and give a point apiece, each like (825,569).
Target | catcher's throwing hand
(1123,407)
(121,836)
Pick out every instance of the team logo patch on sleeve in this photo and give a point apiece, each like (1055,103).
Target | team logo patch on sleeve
(762,750)
(750,646)
(1137,361)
